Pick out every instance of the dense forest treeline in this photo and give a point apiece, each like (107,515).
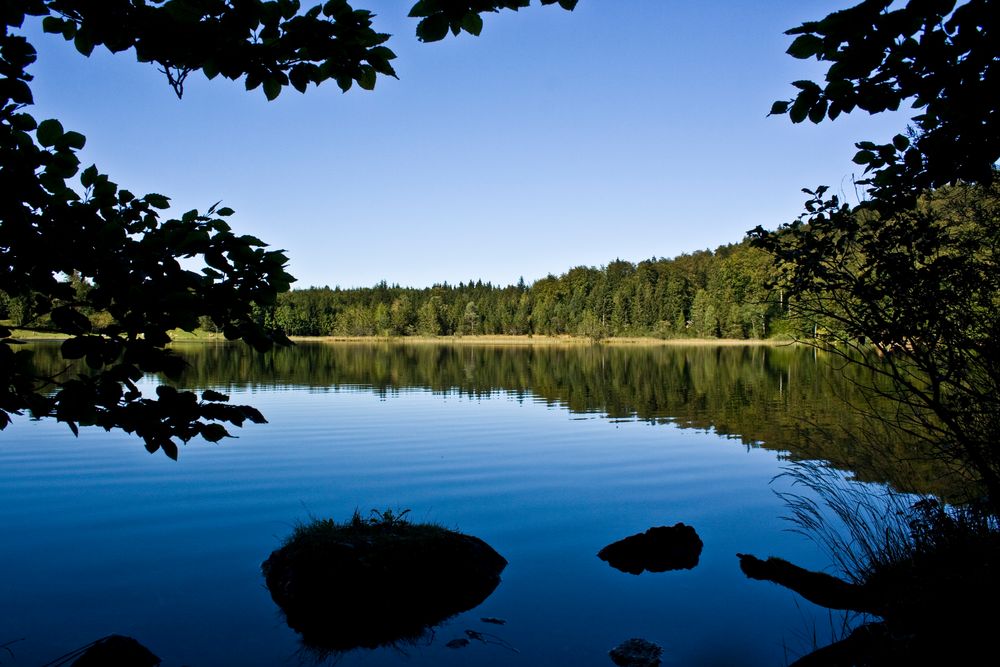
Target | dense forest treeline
(704,294)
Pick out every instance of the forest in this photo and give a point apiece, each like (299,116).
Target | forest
(704,294)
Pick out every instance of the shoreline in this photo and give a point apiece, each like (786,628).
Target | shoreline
(525,340)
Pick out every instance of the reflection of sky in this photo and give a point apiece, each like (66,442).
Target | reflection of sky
(101,537)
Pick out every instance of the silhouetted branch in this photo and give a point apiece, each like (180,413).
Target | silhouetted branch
(817,587)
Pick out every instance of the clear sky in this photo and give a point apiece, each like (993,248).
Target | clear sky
(625,129)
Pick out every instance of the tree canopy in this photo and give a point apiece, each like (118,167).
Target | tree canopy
(100,263)
(912,269)
(941,56)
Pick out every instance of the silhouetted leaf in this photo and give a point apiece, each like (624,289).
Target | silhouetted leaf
(778,108)
(272,88)
(169,448)
(805,46)
(211,395)
(472,23)
(366,77)
(49,132)
(157,201)
(83,44)
(74,140)
(434,28)
(70,321)
(214,432)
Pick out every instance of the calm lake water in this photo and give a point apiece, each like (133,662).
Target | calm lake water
(548,454)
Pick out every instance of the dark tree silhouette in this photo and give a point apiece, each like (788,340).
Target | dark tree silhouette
(913,269)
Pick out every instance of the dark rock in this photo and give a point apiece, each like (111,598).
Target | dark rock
(344,586)
(659,549)
(636,653)
(116,650)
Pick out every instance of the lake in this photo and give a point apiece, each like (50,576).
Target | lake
(546,453)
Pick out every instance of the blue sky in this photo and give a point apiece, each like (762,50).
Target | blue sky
(625,129)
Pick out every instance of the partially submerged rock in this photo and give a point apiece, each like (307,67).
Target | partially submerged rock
(659,549)
(116,650)
(636,653)
(367,584)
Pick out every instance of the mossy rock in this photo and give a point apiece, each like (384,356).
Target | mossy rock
(362,584)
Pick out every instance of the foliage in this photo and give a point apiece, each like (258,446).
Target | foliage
(912,271)
(861,528)
(942,56)
(924,567)
(81,256)
(380,527)
(922,288)
(387,518)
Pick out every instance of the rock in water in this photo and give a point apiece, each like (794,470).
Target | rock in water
(344,586)
(116,650)
(636,653)
(659,549)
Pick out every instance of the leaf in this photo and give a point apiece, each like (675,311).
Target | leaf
(83,44)
(75,348)
(420,9)
(799,110)
(779,108)
(272,88)
(49,132)
(805,46)
(157,201)
(818,111)
(74,140)
(212,395)
(53,25)
(169,448)
(806,85)
(225,211)
(214,432)
(210,69)
(70,320)
(366,77)
(433,28)
(472,23)
(864,157)
(336,7)
(300,76)
(253,414)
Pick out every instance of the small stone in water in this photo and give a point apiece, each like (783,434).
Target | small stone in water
(636,653)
